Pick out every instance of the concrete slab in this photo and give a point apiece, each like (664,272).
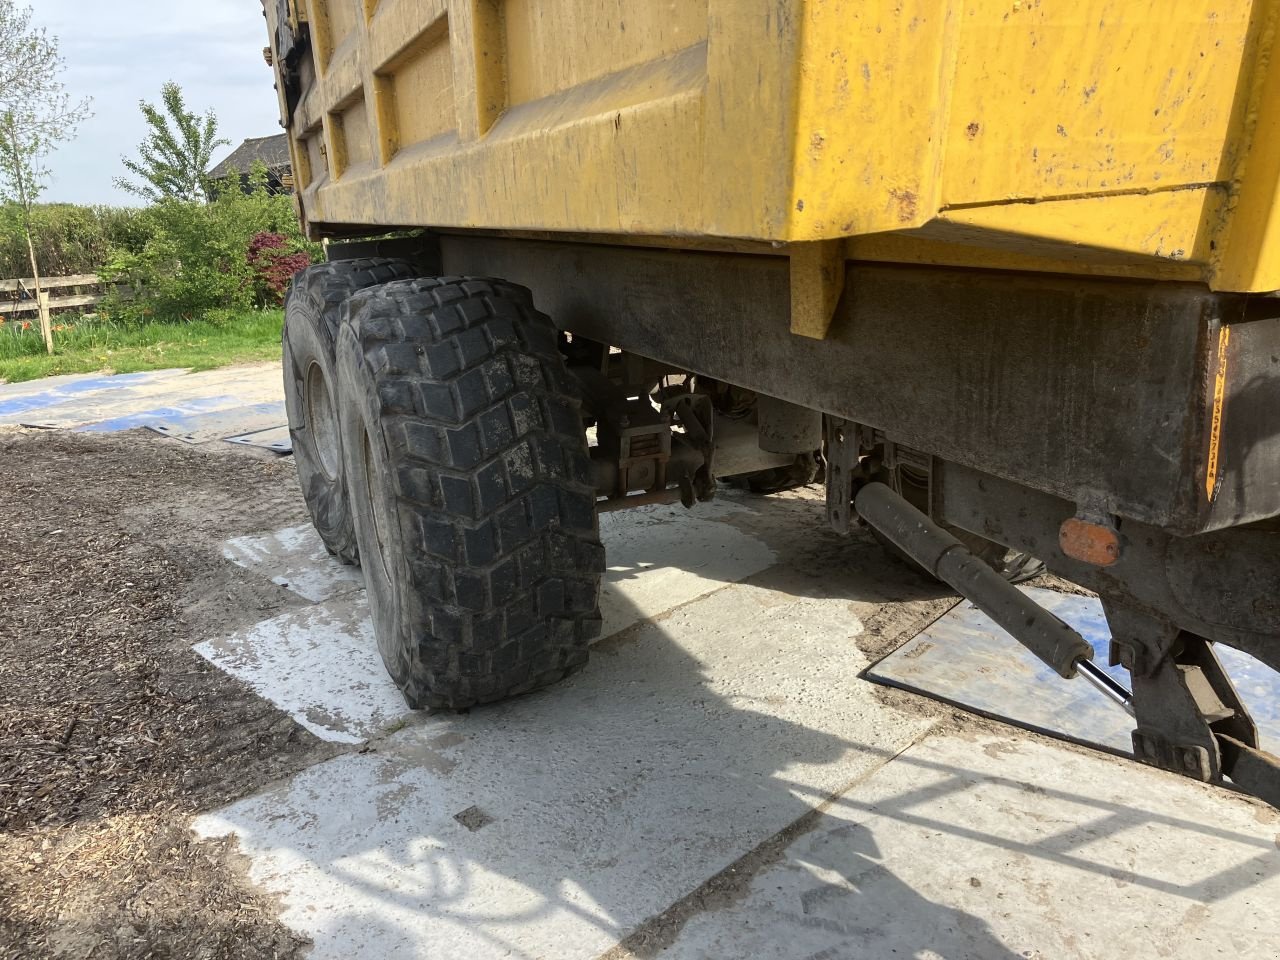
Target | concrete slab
(295,557)
(1005,847)
(654,565)
(662,556)
(966,659)
(320,665)
(552,825)
(664,799)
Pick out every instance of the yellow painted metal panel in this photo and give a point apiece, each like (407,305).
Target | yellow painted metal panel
(839,102)
(414,92)
(333,23)
(604,184)
(1172,225)
(870,95)
(1247,247)
(554,45)
(1057,99)
(1128,136)
(351,136)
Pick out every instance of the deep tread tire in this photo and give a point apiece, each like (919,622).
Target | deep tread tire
(310,331)
(471,489)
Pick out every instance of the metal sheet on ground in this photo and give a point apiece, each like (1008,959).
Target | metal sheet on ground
(160,415)
(964,658)
(20,399)
(222,423)
(275,439)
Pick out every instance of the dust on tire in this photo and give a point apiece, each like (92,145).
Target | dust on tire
(470,479)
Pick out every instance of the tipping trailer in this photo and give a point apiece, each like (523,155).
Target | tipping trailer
(1003,271)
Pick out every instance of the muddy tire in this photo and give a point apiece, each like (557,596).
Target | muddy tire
(310,331)
(471,489)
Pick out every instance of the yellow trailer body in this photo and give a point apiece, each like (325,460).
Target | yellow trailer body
(1000,271)
(1104,136)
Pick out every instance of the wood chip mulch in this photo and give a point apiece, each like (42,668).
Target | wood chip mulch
(113,732)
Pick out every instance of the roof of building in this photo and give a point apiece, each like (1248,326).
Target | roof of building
(272,151)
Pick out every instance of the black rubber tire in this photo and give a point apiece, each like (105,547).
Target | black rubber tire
(311,315)
(471,489)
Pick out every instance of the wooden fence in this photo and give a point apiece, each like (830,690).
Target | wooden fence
(19,296)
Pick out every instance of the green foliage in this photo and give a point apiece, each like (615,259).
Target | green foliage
(173,160)
(35,115)
(87,345)
(196,257)
(35,111)
(68,239)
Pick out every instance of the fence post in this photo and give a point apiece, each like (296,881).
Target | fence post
(46,322)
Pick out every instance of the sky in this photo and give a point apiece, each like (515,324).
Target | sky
(121,51)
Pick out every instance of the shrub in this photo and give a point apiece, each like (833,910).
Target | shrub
(198,256)
(69,239)
(274,266)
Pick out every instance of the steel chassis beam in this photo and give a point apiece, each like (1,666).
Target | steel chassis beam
(1156,401)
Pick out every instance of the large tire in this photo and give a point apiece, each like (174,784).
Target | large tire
(311,316)
(471,489)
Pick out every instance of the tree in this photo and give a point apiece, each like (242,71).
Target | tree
(174,158)
(36,114)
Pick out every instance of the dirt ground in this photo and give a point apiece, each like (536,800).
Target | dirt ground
(113,732)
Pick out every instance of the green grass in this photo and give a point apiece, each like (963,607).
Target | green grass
(90,344)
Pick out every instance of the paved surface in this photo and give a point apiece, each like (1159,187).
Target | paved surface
(192,407)
(718,783)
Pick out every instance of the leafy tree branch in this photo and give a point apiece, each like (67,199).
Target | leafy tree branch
(173,160)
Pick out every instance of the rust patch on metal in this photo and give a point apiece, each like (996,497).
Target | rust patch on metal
(907,204)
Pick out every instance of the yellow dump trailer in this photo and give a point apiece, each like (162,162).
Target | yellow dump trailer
(1001,272)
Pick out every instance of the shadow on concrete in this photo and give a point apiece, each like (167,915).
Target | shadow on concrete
(694,747)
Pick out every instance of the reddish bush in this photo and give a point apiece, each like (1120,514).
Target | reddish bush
(273,266)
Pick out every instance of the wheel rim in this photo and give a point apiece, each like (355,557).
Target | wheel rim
(321,420)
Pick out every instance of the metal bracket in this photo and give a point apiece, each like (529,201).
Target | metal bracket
(842,463)
(1252,770)
(1139,642)
(817,281)
(696,414)
(1191,760)
(1190,719)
